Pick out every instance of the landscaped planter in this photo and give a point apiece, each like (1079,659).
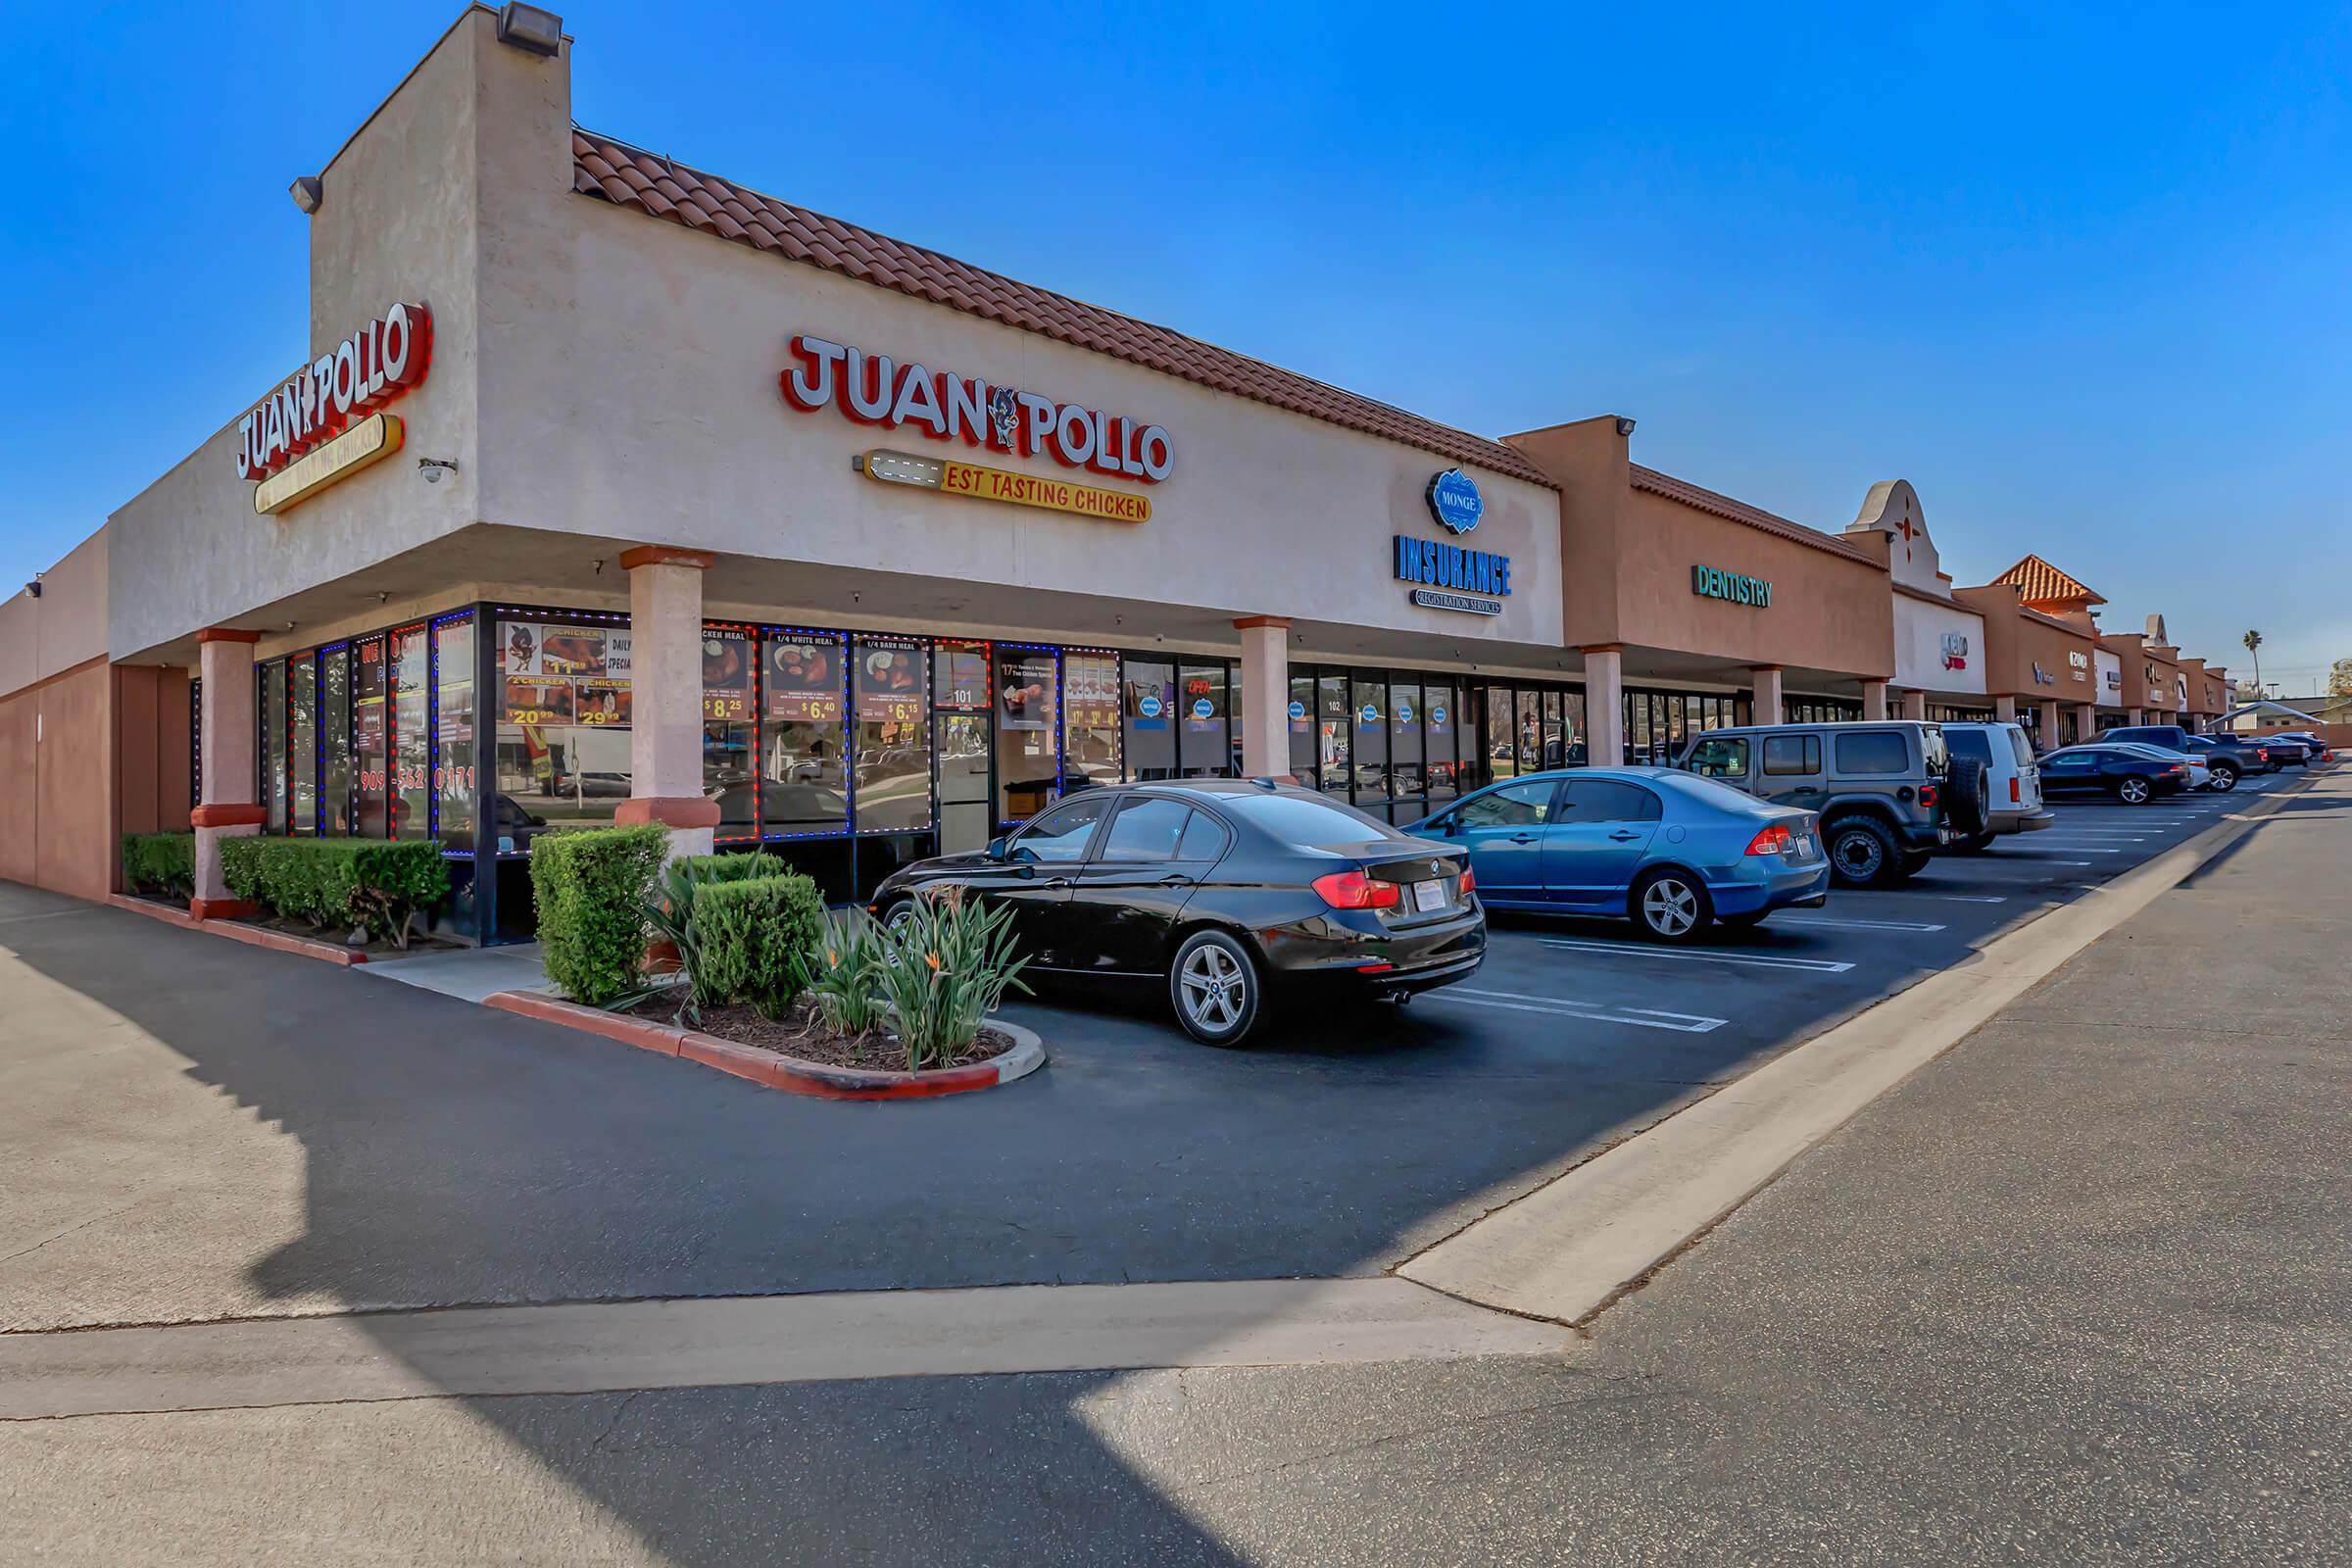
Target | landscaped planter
(778,1071)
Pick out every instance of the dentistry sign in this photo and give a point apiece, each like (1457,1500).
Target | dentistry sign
(874,389)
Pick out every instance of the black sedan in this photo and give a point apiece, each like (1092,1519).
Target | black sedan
(2131,777)
(1216,888)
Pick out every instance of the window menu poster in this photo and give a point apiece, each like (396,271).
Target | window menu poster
(1025,691)
(601,701)
(889,683)
(726,675)
(800,683)
(1089,691)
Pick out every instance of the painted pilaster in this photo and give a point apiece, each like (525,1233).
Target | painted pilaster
(666,678)
(1915,705)
(1265,697)
(2086,721)
(228,794)
(1604,705)
(2050,723)
(1874,699)
(1767,680)
(2005,709)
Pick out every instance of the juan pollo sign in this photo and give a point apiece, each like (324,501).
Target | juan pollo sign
(320,401)
(874,389)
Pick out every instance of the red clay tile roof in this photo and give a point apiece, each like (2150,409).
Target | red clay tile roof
(2037,582)
(628,177)
(1690,495)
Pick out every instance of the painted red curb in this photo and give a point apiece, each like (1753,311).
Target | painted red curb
(768,1068)
(252,936)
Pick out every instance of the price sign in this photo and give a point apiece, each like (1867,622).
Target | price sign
(800,683)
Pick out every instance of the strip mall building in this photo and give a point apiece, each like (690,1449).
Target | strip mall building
(614,491)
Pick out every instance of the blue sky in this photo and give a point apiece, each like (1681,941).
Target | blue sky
(2079,275)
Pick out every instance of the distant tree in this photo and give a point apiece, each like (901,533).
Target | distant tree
(2253,642)
(2339,679)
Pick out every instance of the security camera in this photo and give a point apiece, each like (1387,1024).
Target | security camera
(434,467)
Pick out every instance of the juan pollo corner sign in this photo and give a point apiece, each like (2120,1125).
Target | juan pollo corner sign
(323,425)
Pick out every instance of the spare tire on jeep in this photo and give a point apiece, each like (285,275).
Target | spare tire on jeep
(1862,852)
(1967,804)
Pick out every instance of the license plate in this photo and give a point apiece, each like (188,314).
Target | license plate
(1428,896)
(1804,845)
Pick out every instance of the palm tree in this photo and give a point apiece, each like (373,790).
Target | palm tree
(2253,642)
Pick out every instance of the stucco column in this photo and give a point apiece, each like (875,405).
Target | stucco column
(1265,697)
(1874,699)
(2005,709)
(2137,715)
(2050,723)
(227,800)
(1915,705)
(1768,694)
(666,681)
(1604,705)
(2086,721)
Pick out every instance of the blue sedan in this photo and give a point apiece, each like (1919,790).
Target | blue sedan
(1667,850)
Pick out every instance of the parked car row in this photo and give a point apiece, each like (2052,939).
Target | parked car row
(1219,889)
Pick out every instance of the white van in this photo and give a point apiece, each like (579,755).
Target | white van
(2013,784)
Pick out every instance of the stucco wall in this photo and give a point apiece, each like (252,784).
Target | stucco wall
(65,626)
(653,413)
(57,799)
(397,223)
(2110,685)
(1920,628)
(2016,640)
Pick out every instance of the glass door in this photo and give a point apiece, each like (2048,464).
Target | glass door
(960,737)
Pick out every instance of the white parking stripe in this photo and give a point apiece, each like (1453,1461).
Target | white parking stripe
(1757,960)
(2080,848)
(1957,897)
(1857,925)
(1688,1023)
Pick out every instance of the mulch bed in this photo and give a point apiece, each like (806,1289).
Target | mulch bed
(803,1033)
(331,936)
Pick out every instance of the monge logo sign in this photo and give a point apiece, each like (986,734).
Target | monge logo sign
(1455,501)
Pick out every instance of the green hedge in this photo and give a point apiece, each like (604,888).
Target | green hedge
(759,940)
(331,882)
(159,864)
(591,890)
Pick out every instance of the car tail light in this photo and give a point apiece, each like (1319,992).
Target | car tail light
(2174,767)
(1352,890)
(2015,798)
(1927,795)
(1773,839)
(1469,882)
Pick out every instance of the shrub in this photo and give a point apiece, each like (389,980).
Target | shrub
(393,883)
(243,861)
(162,864)
(756,939)
(311,879)
(951,960)
(672,912)
(845,973)
(591,889)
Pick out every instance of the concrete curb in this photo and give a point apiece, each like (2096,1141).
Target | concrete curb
(1567,1251)
(774,1069)
(252,936)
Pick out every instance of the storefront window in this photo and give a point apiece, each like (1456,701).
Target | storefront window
(1146,707)
(453,731)
(1028,691)
(273,746)
(334,719)
(1371,725)
(1333,727)
(1299,723)
(1502,734)
(1090,718)
(1407,714)
(1205,751)
(894,739)
(412,735)
(564,704)
(1233,722)
(370,739)
(301,744)
(1443,727)
(730,730)
(804,776)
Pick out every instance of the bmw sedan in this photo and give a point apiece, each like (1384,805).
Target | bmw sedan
(1218,889)
(1670,851)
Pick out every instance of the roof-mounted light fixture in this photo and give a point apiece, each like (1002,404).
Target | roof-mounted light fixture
(530,28)
(308,192)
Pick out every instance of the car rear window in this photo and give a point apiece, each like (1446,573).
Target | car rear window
(1969,743)
(1873,750)
(1309,824)
(1607,800)
(1792,753)
(2021,748)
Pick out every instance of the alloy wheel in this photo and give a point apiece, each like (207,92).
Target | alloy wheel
(2136,791)
(1213,987)
(1669,907)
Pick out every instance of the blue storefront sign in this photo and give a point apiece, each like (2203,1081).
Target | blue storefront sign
(1151,708)
(1455,501)
(1457,577)
(1203,708)
(1298,712)
(1369,715)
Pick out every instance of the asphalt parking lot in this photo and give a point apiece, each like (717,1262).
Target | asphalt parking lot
(447,1153)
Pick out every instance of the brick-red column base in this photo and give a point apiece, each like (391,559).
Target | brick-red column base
(670,811)
(223,909)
